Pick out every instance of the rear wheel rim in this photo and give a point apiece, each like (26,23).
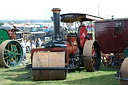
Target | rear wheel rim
(92,56)
(11,53)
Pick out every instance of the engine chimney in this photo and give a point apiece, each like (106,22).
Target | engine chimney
(56,19)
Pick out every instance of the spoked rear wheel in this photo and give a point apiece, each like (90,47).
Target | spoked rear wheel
(11,54)
(92,56)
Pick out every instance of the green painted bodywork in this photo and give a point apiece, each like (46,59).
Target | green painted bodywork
(3,35)
(126,52)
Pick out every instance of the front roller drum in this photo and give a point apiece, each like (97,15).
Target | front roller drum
(11,54)
(124,72)
(48,66)
(92,56)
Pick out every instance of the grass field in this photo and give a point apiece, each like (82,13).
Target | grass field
(23,76)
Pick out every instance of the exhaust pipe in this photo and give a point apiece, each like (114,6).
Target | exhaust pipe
(56,19)
(57,41)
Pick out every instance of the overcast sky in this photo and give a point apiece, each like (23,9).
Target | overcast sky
(41,9)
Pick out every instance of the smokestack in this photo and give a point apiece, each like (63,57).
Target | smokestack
(56,19)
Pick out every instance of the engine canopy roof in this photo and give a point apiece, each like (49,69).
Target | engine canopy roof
(73,17)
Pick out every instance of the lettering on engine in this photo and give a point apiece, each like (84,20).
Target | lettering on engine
(68,15)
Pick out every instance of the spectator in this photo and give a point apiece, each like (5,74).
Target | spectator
(39,41)
(23,44)
(33,44)
(42,43)
(28,47)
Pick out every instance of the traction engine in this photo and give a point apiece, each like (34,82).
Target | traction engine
(66,50)
(11,52)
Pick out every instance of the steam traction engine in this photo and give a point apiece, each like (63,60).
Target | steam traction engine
(10,50)
(66,51)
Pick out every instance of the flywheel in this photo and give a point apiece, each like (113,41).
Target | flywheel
(82,33)
(92,56)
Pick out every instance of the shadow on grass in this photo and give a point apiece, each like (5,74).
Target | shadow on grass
(96,80)
(18,74)
(82,69)
(78,70)
(17,69)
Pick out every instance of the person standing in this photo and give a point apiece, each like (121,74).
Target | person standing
(39,41)
(36,42)
(42,43)
(23,44)
(28,47)
(33,45)
(24,60)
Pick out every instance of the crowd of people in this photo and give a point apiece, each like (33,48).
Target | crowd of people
(27,45)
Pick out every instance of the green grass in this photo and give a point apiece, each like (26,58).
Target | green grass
(23,76)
